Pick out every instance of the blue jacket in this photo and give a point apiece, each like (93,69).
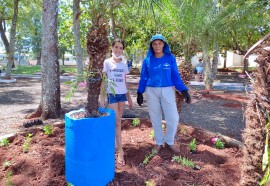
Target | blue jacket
(160,72)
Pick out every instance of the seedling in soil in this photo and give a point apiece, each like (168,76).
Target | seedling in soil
(150,183)
(48,130)
(192,146)
(8,178)
(135,122)
(6,163)
(152,134)
(149,157)
(26,144)
(219,144)
(4,142)
(184,161)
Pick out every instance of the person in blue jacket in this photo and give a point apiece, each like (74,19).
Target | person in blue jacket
(159,78)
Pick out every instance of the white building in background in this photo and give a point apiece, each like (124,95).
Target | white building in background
(232,60)
(70,60)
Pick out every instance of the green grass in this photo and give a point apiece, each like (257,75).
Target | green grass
(29,70)
(26,70)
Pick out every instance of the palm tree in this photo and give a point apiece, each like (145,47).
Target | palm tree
(97,48)
(98,45)
(257,114)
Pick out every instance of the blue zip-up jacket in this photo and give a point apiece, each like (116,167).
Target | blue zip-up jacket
(160,72)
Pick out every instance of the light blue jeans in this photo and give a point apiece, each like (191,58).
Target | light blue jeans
(162,99)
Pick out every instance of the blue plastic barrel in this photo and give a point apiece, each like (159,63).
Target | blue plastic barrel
(90,149)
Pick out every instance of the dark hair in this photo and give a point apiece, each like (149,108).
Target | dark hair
(120,41)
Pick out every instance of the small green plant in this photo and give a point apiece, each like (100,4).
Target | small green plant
(4,142)
(150,183)
(48,130)
(192,145)
(70,184)
(26,144)
(152,134)
(219,144)
(184,161)
(149,157)
(8,178)
(7,163)
(135,122)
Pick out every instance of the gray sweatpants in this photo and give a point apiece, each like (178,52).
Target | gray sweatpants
(162,99)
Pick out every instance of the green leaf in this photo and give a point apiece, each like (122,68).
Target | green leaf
(265,178)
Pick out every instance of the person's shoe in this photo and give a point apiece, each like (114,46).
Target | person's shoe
(156,148)
(173,148)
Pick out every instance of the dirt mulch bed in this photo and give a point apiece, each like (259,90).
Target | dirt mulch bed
(44,163)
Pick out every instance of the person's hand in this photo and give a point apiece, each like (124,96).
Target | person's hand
(186,96)
(139,98)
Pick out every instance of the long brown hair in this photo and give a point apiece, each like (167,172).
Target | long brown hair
(120,41)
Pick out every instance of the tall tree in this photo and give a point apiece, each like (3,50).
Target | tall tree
(49,106)
(9,45)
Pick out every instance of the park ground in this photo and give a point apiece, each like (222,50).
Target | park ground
(44,163)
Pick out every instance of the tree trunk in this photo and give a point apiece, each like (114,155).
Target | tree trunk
(245,68)
(225,58)
(63,58)
(215,61)
(97,47)
(186,70)
(50,106)
(77,36)
(10,54)
(207,70)
(257,114)
(112,22)
(39,58)
(3,35)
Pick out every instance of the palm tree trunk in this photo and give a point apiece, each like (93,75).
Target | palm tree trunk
(186,70)
(97,47)
(257,113)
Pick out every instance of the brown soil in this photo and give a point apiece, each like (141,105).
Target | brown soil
(44,163)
